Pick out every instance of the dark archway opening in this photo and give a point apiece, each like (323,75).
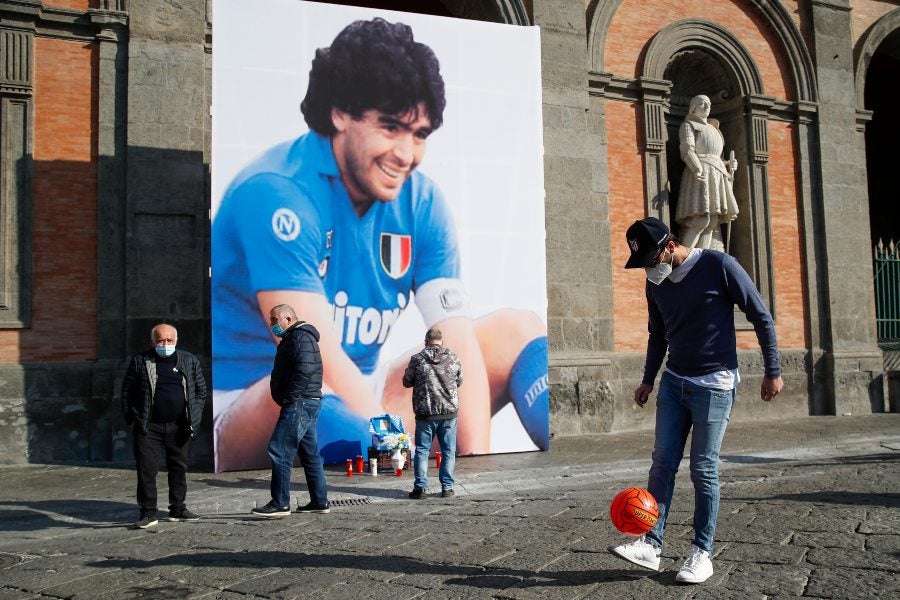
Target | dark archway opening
(882,134)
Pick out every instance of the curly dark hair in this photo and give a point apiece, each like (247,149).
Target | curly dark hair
(373,65)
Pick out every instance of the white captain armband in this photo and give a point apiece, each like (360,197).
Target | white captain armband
(441,299)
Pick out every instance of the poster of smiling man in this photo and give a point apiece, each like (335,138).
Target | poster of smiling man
(380,172)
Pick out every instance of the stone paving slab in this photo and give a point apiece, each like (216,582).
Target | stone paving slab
(809,509)
(852,583)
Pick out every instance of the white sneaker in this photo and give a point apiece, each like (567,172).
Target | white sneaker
(639,552)
(697,568)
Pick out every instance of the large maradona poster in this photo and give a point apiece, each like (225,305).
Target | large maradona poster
(381,173)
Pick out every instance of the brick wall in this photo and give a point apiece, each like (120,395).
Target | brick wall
(72,4)
(637,21)
(865,13)
(626,204)
(64,210)
(787,249)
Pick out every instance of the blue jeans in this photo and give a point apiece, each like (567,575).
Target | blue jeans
(680,406)
(295,433)
(445,429)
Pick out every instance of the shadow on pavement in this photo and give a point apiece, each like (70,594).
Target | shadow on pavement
(255,483)
(44,514)
(477,577)
(372,491)
(298,485)
(867,459)
(888,500)
(751,460)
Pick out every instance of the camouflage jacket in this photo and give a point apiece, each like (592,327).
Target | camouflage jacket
(434,374)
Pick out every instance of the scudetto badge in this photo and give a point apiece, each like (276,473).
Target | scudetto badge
(396,254)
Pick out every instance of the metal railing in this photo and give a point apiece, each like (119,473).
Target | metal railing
(887,294)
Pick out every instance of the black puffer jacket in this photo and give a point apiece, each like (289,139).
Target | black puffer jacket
(297,372)
(139,387)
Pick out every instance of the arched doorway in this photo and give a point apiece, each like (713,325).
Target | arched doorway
(882,134)
(877,70)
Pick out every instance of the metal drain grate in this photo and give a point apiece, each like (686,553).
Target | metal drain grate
(350,502)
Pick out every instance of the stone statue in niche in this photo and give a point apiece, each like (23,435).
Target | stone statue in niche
(706,196)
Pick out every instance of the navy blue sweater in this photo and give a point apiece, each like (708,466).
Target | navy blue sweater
(694,320)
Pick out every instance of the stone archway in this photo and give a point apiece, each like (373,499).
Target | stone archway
(877,68)
(600,13)
(692,57)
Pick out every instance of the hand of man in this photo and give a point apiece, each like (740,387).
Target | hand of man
(770,387)
(642,394)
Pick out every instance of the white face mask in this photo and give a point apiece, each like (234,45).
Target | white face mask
(656,275)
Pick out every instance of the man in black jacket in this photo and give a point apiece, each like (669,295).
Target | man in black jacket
(434,374)
(162,401)
(296,386)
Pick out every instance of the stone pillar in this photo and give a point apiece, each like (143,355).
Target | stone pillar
(579,277)
(167,208)
(166,175)
(820,402)
(853,362)
(757,110)
(17,142)
(16,198)
(112,49)
(655,95)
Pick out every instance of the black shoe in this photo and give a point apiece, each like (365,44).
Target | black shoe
(314,508)
(183,515)
(417,493)
(146,520)
(447,493)
(272,510)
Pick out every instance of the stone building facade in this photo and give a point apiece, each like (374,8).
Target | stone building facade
(104,194)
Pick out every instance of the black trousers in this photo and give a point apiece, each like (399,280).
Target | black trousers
(174,439)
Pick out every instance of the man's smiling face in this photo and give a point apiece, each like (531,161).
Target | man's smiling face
(377,152)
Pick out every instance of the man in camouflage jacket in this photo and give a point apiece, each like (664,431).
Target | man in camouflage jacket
(434,374)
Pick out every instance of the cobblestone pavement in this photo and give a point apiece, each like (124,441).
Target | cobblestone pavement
(809,509)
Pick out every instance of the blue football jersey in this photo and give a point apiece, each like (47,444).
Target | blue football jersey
(287,223)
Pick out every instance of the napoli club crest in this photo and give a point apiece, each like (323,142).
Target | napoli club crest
(396,254)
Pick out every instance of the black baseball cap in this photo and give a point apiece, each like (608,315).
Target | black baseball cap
(645,239)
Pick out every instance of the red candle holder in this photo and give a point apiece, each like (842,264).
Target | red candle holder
(349,467)
(359,463)
(437,459)
(398,473)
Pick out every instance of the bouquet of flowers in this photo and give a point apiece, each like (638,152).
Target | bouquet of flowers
(395,440)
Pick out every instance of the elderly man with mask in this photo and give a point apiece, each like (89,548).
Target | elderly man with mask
(163,394)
